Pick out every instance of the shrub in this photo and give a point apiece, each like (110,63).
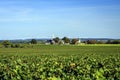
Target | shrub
(6,43)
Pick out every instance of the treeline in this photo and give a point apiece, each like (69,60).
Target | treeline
(8,44)
(64,40)
(102,42)
(67,40)
(56,41)
(113,42)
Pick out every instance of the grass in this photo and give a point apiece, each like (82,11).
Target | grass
(60,49)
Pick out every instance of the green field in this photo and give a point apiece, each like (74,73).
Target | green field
(61,62)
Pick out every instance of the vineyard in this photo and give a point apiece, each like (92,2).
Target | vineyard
(57,62)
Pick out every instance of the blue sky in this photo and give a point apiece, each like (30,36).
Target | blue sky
(21,19)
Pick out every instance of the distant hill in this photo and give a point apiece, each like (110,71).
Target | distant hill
(102,39)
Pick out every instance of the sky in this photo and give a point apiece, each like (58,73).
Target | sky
(23,19)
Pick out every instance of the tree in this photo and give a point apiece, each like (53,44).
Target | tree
(74,41)
(116,42)
(61,42)
(56,39)
(109,42)
(6,43)
(33,41)
(17,45)
(91,41)
(66,40)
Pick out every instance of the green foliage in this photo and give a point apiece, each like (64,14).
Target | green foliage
(91,42)
(61,42)
(33,41)
(60,63)
(6,43)
(56,39)
(113,42)
(74,41)
(17,46)
(66,40)
(116,42)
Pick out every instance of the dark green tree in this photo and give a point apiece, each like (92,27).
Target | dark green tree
(66,40)
(6,43)
(33,41)
(91,41)
(56,39)
(74,41)
(116,42)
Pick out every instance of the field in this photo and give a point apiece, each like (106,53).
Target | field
(61,62)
